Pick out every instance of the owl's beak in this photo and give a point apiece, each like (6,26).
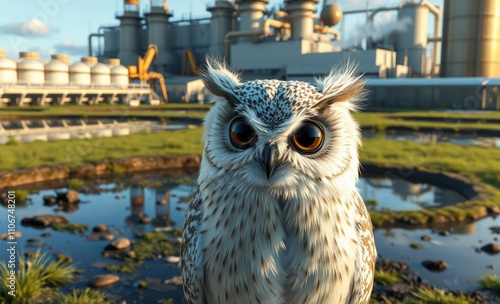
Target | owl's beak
(269,159)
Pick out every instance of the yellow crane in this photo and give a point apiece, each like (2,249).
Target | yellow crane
(189,62)
(141,71)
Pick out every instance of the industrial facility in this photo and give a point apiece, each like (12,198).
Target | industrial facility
(447,68)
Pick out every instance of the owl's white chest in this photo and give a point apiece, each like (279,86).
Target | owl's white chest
(260,250)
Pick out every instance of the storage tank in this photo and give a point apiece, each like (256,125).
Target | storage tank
(301,15)
(159,34)
(130,25)
(100,74)
(90,61)
(119,73)
(8,69)
(111,42)
(471,38)
(221,23)
(61,57)
(411,43)
(251,13)
(79,74)
(29,69)
(56,71)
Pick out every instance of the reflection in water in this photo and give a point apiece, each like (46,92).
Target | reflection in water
(162,208)
(403,195)
(136,210)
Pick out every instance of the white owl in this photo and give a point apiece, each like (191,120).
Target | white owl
(277,217)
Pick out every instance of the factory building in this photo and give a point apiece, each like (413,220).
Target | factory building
(298,43)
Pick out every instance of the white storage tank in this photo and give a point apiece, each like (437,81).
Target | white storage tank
(119,73)
(79,74)
(90,61)
(56,71)
(101,74)
(8,69)
(30,69)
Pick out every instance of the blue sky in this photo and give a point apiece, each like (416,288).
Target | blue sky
(62,26)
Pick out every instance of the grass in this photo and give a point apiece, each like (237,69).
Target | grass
(75,183)
(36,278)
(386,277)
(491,283)
(70,227)
(154,244)
(438,296)
(83,296)
(128,267)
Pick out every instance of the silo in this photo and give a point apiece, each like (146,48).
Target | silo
(251,13)
(411,43)
(29,69)
(130,25)
(100,74)
(471,38)
(159,34)
(221,23)
(119,73)
(301,15)
(79,74)
(56,71)
(8,69)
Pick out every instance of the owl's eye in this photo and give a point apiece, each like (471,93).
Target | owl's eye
(308,138)
(241,133)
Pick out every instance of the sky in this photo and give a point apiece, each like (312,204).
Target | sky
(63,26)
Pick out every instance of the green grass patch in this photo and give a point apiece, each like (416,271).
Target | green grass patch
(128,267)
(491,283)
(75,183)
(83,296)
(416,245)
(70,227)
(35,280)
(166,301)
(386,277)
(438,296)
(154,244)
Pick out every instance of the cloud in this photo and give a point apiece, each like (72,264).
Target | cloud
(29,29)
(71,48)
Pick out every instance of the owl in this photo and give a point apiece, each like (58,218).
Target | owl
(276,216)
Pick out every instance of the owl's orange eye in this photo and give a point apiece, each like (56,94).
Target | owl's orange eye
(242,135)
(308,138)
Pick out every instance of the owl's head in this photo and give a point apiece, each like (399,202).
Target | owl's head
(283,136)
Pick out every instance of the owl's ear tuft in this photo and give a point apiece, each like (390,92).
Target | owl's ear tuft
(220,80)
(341,85)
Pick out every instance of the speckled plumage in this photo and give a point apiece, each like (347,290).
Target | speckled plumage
(303,235)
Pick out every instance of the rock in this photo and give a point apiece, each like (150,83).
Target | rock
(70,197)
(180,208)
(425,237)
(49,200)
(119,244)
(145,220)
(495,229)
(172,259)
(400,288)
(174,281)
(178,241)
(33,240)
(162,202)
(46,234)
(44,220)
(491,267)
(62,257)
(436,265)
(100,228)
(131,254)
(494,210)
(444,232)
(118,196)
(5,236)
(103,281)
(491,248)
(100,236)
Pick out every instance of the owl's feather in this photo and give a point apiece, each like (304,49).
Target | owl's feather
(303,235)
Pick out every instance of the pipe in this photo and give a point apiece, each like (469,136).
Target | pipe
(326,30)
(90,41)
(263,31)
(436,11)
